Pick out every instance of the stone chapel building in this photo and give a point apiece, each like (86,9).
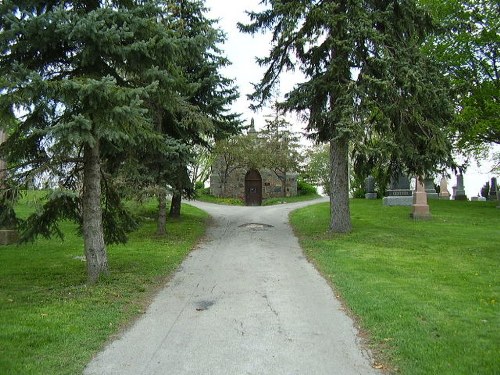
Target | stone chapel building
(251,185)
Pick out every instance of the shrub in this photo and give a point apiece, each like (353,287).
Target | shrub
(198,185)
(304,188)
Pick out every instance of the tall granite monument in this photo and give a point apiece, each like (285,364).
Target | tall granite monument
(459,189)
(493,189)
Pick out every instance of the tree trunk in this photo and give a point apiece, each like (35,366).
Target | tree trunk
(283,185)
(340,216)
(175,206)
(162,213)
(93,234)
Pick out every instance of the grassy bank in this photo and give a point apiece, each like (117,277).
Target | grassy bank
(427,293)
(52,322)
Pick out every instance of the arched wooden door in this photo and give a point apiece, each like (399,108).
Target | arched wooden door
(253,188)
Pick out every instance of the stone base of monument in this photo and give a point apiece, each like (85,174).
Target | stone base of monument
(398,197)
(460,197)
(444,196)
(420,212)
(398,200)
(371,196)
(8,236)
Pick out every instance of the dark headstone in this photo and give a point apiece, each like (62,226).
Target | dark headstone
(370,188)
(493,189)
(430,189)
(399,193)
(8,236)
(459,190)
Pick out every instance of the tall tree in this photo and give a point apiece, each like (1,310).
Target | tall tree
(467,44)
(316,167)
(210,93)
(280,149)
(365,77)
(66,91)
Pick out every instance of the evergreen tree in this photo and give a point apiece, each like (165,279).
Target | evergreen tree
(204,114)
(366,79)
(70,96)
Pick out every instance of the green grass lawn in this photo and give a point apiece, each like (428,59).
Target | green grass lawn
(425,292)
(52,322)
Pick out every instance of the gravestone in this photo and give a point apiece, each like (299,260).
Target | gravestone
(478,199)
(493,189)
(430,189)
(459,190)
(443,189)
(420,208)
(399,192)
(370,188)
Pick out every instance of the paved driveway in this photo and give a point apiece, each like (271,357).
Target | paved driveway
(245,302)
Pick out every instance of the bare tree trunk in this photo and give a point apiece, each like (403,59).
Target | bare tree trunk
(93,234)
(340,216)
(162,213)
(284,185)
(175,206)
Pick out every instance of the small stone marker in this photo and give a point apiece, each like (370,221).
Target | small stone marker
(493,189)
(370,188)
(430,189)
(443,189)
(478,199)
(420,208)
(399,193)
(459,190)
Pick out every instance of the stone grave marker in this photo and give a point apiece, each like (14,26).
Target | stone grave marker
(443,189)
(370,188)
(493,189)
(459,190)
(430,189)
(399,192)
(420,208)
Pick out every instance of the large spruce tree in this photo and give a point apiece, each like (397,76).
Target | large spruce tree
(209,94)
(367,85)
(70,98)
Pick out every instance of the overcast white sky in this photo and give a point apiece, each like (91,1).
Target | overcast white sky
(241,49)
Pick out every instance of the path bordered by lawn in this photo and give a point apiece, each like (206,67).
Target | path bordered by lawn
(427,293)
(52,323)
